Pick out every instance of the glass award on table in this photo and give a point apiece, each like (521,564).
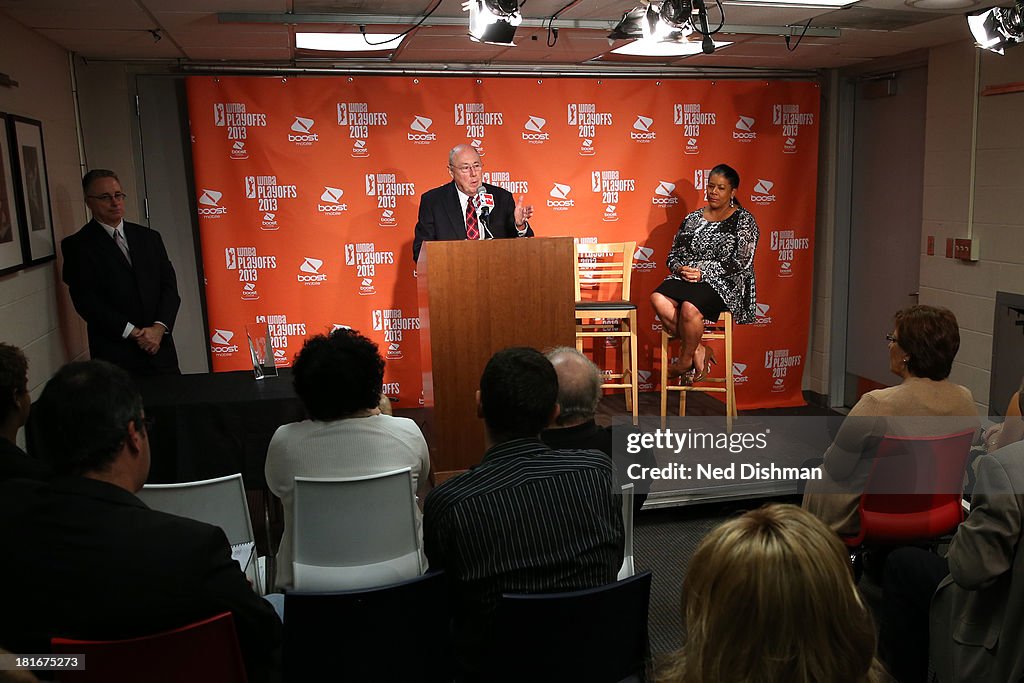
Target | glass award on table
(260,350)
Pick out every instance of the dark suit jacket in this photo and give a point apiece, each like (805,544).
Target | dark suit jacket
(87,559)
(17,464)
(109,293)
(442,218)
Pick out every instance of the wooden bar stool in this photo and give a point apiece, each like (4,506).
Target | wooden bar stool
(603,273)
(720,329)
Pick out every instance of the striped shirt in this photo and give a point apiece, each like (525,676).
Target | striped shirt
(527,519)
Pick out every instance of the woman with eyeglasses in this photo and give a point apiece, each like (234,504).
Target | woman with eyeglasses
(711,270)
(922,346)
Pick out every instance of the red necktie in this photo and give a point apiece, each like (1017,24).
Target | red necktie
(472,232)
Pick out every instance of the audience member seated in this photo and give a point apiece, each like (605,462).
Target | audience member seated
(1011,429)
(14,406)
(976,625)
(579,393)
(922,347)
(338,378)
(87,559)
(527,519)
(769,597)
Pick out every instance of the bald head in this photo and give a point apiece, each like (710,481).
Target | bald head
(579,385)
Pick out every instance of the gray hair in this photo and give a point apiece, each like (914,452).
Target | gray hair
(457,149)
(579,385)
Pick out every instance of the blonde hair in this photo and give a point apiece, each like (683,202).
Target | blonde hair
(769,598)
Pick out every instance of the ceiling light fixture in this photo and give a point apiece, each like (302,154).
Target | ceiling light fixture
(667,21)
(347,42)
(643,48)
(998,28)
(493,21)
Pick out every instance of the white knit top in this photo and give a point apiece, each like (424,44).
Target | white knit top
(351,447)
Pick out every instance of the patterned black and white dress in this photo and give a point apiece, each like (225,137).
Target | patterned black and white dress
(724,253)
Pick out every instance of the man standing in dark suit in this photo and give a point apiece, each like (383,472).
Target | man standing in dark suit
(122,283)
(86,559)
(451,212)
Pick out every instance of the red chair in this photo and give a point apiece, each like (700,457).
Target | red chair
(914,490)
(204,651)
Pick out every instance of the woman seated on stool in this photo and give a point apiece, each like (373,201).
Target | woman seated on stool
(711,269)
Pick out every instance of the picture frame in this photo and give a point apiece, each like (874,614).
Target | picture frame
(12,255)
(33,188)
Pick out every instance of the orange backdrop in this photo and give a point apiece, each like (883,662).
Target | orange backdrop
(308,189)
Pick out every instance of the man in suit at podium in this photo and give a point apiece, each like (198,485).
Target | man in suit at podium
(122,283)
(467,208)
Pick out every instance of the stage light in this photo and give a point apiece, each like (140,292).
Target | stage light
(670,21)
(998,28)
(493,21)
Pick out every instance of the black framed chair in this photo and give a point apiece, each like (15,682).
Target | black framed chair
(597,635)
(399,632)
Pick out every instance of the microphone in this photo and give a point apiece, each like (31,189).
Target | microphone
(484,202)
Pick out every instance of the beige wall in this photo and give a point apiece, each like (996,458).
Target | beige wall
(34,307)
(969,289)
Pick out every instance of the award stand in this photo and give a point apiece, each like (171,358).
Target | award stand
(260,350)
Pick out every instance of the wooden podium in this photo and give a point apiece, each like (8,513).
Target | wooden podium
(478,297)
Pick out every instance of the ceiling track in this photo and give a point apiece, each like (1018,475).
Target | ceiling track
(595,25)
(668,73)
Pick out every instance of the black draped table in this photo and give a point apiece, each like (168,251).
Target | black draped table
(211,425)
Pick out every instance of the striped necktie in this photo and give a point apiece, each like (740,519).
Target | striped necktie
(122,244)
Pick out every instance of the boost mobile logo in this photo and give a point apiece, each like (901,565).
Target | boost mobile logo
(238,151)
(663,194)
(310,274)
(761,315)
(560,197)
(763,192)
(535,135)
(739,371)
(333,206)
(745,129)
(303,127)
(642,259)
(220,342)
(421,127)
(642,129)
(209,203)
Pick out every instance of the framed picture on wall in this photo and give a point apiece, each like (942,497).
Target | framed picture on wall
(12,257)
(37,220)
